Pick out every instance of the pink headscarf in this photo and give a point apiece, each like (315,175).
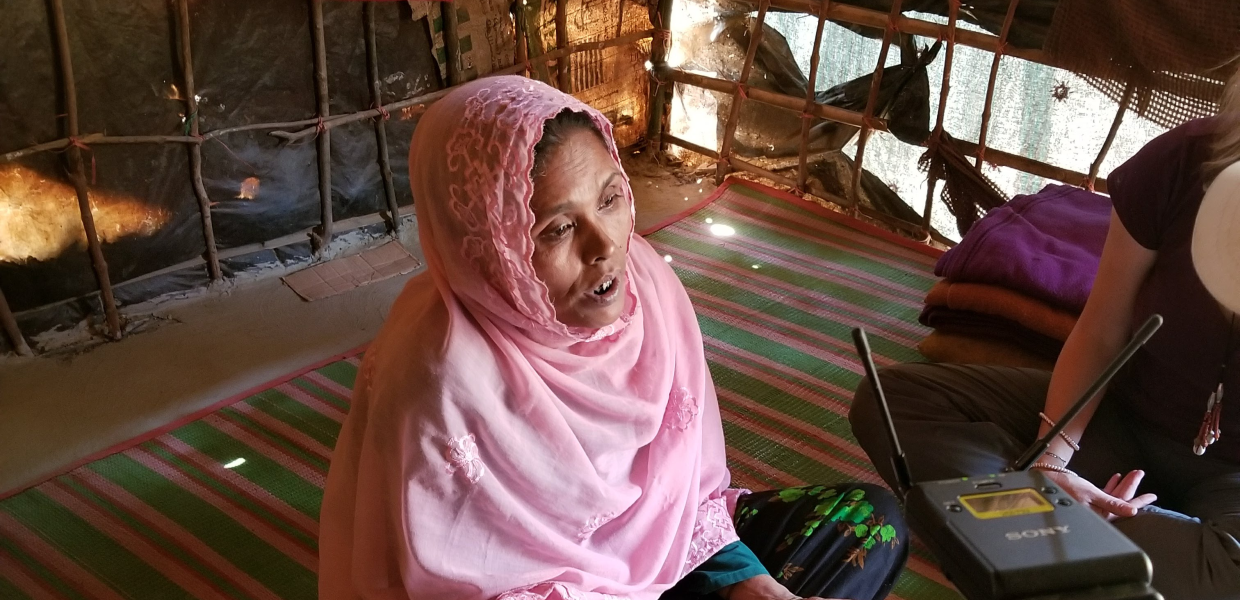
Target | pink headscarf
(493,453)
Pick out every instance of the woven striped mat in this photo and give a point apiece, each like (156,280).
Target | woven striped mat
(226,506)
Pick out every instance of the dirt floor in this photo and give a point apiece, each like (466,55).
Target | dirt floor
(57,410)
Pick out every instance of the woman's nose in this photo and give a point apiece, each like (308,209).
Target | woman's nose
(598,245)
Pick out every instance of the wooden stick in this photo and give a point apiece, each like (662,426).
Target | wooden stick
(421,103)
(9,324)
(77,173)
(990,85)
(1091,180)
(562,68)
(522,50)
(345,118)
(533,39)
(949,34)
(811,96)
(376,99)
(913,229)
(998,157)
(195,150)
(871,103)
(97,139)
(822,111)
(853,15)
(729,130)
(452,43)
(620,19)
(661,91)
(321,237)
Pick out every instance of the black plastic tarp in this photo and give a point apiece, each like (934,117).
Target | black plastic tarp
(253,63)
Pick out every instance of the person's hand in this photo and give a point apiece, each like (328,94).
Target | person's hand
(1116,499)
(762,587)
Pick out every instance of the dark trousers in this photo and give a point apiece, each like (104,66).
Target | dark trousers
(842,541)
(958,420)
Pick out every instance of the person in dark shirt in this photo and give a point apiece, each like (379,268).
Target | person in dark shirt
(1161,425)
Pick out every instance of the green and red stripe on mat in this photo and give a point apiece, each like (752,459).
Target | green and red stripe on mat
(226,504)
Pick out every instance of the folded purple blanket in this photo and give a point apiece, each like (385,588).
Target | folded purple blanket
(1045,245)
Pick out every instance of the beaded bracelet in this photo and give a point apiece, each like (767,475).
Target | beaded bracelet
(1056,457)
(1050,467)
(1071,442)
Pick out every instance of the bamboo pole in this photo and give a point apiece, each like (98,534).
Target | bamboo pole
(98,139)
(522,51)
(9,324)
(452,43)
(195,150)
(949,34)
(661,93)
(854,15)
(562,67)
(729,130)
(822,111)
(1092,178)
(990,85)
(376,99)
(620,18)
(77,173)
(913,229)
(811,96)
(870,104)
(321,237)
(420,103)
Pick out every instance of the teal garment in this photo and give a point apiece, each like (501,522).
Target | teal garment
(732,564)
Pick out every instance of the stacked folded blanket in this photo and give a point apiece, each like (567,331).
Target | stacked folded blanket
(1016,283)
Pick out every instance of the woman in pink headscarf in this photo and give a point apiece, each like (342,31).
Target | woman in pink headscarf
(536,419)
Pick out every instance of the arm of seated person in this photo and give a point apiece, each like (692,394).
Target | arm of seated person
(1099,335)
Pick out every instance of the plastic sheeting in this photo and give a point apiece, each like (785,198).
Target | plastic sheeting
(253,63)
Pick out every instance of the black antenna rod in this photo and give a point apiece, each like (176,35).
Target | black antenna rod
(1039,447)
(899,463)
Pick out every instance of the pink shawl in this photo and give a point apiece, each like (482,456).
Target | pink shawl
(493,453)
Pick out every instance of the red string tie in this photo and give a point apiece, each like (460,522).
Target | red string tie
(383,112)
(806,115)
(77,143)
(320,127)
(892,30)
(740,91)
(872,122)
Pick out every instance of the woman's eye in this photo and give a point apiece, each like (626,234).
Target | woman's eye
(560,231)
(612,199)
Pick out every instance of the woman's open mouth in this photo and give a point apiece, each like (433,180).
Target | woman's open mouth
(607,291)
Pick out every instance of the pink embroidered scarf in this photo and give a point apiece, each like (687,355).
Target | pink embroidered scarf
(493,453)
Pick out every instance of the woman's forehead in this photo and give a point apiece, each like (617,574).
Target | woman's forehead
(579,169)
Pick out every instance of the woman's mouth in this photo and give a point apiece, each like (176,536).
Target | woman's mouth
(607,291)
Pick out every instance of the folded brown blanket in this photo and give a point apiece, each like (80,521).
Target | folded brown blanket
(982,326)
(966,350)
(1029,312)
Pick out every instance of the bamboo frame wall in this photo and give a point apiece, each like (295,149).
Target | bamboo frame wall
(891,24)
(319,127)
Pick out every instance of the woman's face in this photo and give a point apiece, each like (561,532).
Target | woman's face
(581,231)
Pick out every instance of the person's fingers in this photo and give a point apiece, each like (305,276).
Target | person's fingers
(1114,506)
(1109,488)
(1127,487)
(1143,500)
